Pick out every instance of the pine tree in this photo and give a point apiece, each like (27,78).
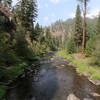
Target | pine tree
(38,34)
(96,52)
(48,38)
(98,25)
(84,8)
(25,13)
(71,48)
(7,3)
(78,27)
(28,13)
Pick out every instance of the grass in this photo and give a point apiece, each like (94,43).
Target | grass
(10,74)
(82,66)
(15,71)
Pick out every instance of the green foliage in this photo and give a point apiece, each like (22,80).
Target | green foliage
(78,28)
(14,71)
(16,52)
(98,25)
(28,13)
(7,53)
(39,48)
(93,45)
(96,53)
(5,24)
(71,47)
(89,47)
(8,57)
(37,34)
(81,67)
(7,2)
(49,39)
(2,91)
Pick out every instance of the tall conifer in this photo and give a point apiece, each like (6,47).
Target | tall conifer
(78,27)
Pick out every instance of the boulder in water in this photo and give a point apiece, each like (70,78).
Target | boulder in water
(72,97)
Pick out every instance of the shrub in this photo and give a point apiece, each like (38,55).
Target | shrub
(96,53)
(89,48)
(71,48)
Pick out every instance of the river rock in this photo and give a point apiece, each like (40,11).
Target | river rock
(72,97)
(52,58)
(71,64)
(96,82)
(33,98)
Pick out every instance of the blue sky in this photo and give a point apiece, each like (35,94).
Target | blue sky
(50,11)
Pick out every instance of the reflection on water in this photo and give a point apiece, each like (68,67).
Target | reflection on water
(55,81)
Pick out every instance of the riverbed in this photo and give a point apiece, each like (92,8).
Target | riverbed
(55,80)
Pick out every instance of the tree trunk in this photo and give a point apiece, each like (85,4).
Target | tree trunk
(84,26)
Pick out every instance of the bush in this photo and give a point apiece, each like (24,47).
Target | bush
(2,91)
(38,48)
(22,48)
(8,57)
(89,48)
(71,48)
(96,53)
(7,53)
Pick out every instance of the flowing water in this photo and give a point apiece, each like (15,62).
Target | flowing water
(54,81)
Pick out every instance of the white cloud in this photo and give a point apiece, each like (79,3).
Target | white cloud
(43,6)
(55,1)
(72,15)
(46,18)
(93,13)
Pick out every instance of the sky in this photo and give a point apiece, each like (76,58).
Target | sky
(50,11)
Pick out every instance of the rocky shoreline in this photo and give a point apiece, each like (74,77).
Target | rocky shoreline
(95,82)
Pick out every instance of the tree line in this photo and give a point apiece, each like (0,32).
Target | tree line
(81,34)
(22,40)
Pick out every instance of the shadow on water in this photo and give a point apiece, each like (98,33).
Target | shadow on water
(46,86)
(21,91)
(42,87)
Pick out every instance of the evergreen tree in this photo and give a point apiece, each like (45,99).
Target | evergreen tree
(71,48)
(78,27)
(28,13)
(48,37)
(98,25)
(84,7)
(37,33)
(49,40)
(96,52)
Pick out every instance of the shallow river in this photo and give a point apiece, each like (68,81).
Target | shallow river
(54,81)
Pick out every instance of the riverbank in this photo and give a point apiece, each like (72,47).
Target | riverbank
(83,67)
(12,73)
(8,75)
(55,80)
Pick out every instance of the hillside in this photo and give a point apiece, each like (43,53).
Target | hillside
(66,28)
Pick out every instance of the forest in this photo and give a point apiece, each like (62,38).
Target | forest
(23,42)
